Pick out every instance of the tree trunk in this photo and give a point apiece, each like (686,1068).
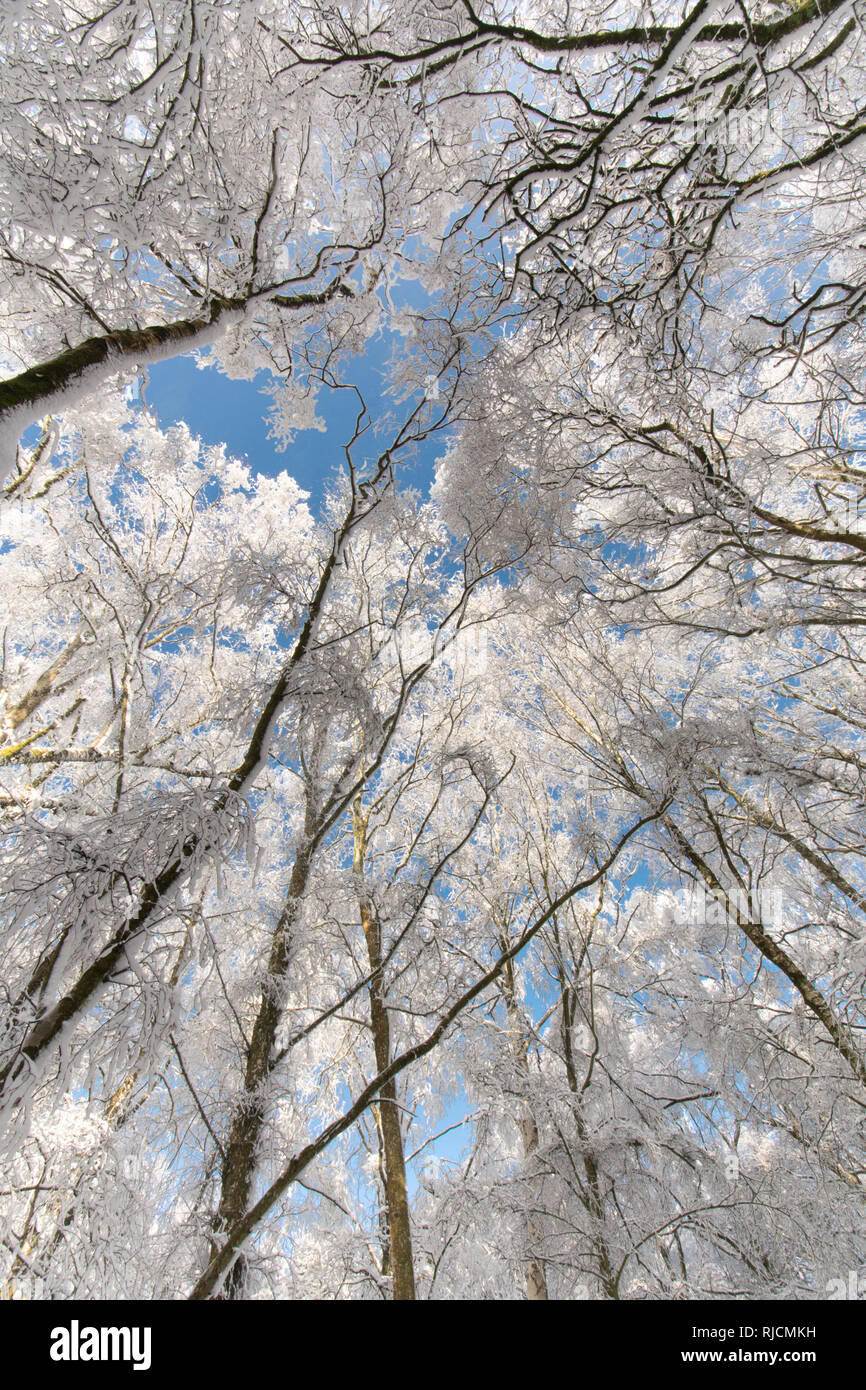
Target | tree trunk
(44,387)
(49,1026)
(593,1200)
(245,1130)
(534,1275)
(755,931)
(396,1196)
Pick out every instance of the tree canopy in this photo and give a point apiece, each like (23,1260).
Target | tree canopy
(456,889)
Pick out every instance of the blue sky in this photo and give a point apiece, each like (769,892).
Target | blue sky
(220,410)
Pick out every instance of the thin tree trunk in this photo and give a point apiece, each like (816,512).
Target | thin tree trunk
(41,688)
(534,1274)
(828,871)
(593,1199)
(241,1152)
(44,387)
(220,1261)
(49,1026)
(396,1196)
(755,931)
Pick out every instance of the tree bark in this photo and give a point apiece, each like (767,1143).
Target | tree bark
(44,387)
(396,1196)
(828,871)
(48,1027)
(246,1126)
(534,1273)
(593,1199)
(756,932)
(42,687)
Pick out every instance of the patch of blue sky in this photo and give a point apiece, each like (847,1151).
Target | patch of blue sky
(447,1146)
(221,410)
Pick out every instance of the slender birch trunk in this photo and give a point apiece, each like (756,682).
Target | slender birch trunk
(592,1195)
